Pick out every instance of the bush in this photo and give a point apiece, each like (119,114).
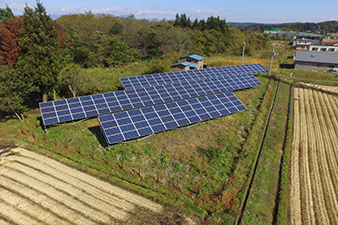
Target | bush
(213,153)
(158,66)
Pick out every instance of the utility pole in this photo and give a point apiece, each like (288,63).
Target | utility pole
(273,54)
(243,52)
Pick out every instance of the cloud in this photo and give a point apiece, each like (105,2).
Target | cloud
(114,10)
(154,14)
(67,10)
(18,8)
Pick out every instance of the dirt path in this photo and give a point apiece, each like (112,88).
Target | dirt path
(314,169)
(35,189)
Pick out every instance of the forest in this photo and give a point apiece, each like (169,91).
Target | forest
(40,58)
(324,28)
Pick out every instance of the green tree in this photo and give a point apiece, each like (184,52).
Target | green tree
(14,91)
(69,79)
(6,14)
(237,40)
(40,60)
(120,53)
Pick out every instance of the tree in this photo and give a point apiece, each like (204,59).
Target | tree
(40,60)
(6,14)
(70,77)
(120,53)
(14,91)
(237,40)
(9,39)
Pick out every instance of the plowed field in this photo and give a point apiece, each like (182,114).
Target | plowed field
(37,190)
(314,160)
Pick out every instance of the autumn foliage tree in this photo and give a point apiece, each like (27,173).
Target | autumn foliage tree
(9,38)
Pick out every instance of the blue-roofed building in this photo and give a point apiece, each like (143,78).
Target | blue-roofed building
(189,62)
(180,66)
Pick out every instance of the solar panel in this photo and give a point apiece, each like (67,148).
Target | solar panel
(127,125)
(184,76)
(94,105)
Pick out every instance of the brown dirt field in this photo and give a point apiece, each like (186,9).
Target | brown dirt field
(314,170)
(35,189)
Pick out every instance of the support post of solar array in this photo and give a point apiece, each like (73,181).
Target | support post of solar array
(243,52)
(105,138)
(44,127)
(273,54)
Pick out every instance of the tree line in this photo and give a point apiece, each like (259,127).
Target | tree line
(323,28)
(34,48)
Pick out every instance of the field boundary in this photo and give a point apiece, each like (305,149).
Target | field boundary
(248,189)
(285,145)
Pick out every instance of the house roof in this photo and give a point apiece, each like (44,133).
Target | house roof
(307,39)
(193,65)
(319,57)
(194,56)
(181,64)
(329,42)
(310,35)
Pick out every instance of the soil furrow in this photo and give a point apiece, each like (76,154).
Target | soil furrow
(106,187)
(32,209)
(295,212)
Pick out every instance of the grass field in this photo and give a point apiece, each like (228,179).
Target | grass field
(261,206)
(189,157)
(201,170)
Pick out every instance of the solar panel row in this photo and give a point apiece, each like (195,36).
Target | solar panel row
(136,123)
(93,105)
(183,76)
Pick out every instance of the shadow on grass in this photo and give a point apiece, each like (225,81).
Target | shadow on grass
(99,135)
(286,66)
(39,119)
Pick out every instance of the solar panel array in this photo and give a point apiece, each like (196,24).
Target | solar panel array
(93,105)
(158,102)
(182,76)
(136,123)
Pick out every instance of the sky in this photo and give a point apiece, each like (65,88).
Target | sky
(258,11)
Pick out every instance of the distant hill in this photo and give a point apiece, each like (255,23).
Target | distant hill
(321,27)
(236,24)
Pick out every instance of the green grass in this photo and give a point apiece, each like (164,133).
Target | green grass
(261,203)
(283,207)
(177,154)
(234,193)
(214,156)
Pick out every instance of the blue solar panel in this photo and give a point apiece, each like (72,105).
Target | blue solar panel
(94,105)
(122,126)
(184,76)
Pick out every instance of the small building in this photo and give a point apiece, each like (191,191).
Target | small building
(303,44)
(272,32)
(323,48)
(180,66)
(330,43)
(309,36)
(321,61)
(189,62)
